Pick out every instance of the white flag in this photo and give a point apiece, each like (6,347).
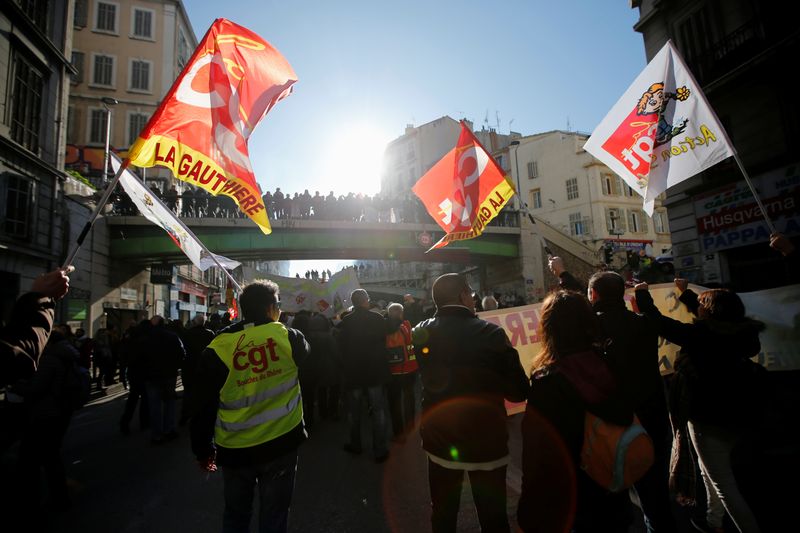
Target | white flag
(662,131)
(156,212)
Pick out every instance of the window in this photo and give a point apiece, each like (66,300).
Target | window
(140,75)
(576,224)
(183,49)
(72,124)
(142,23)
(106,17)
(19,207)
(77,62)
(26,103)
(103,71)
(536,198)
(615,221)
(610,185)
(533,169)
(36,10)
(97,126)
(136,123)
(628,191)
(80,16)
(410,152)
(500,161)
(659,221)
(572,188)
(637,221)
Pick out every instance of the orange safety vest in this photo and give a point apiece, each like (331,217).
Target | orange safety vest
(401,352)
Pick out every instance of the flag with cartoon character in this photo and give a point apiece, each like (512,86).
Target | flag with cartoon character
(662,131)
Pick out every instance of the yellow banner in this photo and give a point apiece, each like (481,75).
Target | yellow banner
(197,168)
(488,209)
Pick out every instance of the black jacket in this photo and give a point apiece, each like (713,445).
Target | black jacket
(468,368)
(715,358)
(210,377)
(632,354)
(195,340)
(362,348)
(162,354)
(552,437)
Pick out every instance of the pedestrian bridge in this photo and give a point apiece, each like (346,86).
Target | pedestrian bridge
(135,239)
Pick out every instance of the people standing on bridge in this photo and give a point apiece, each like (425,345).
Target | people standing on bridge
(187,203)
(162,355)
(171,199)
(365,372)
(468,369)
(247,412)
(403,366)
(717,391)
(631,351)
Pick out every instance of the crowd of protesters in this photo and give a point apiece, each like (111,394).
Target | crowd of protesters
(196,202)
(371,364)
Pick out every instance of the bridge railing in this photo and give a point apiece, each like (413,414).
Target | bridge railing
(388,212)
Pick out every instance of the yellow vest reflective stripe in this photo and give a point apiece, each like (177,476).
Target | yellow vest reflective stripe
(260,400)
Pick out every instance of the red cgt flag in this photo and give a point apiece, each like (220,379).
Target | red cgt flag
(464,190)
(201,129)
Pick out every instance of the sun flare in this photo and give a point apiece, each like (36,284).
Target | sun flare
(353,160)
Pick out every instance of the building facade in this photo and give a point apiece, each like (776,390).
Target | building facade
(741,53)
(130,51)
(35,42)
(572,191)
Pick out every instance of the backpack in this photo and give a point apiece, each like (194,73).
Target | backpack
(615,457)
(77,387)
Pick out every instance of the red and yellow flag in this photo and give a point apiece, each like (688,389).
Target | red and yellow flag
(464,190)
(201,129)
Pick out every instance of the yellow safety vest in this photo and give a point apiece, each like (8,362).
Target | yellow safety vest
(260,400)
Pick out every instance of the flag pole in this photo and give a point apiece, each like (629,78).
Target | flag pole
(755,193)
(100,204)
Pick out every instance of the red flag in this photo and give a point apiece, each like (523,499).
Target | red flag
(200,130)
(464,190)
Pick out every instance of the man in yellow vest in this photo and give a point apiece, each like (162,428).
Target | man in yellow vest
(247,413)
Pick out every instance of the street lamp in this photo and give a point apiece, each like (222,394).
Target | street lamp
(515,144)
(108,102)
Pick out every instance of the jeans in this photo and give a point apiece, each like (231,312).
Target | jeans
(488,492)
(377,401)
(402,402)
(714,445)
(275,482)
(161,399)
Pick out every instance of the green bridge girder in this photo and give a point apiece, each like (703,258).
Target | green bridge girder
(136,239)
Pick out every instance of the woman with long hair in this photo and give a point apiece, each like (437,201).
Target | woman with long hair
(715,391)
(568,377)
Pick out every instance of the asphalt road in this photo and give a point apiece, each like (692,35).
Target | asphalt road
(124,484)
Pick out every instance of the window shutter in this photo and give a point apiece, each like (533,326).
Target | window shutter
(622,220)
(643,217)
(617,185)
(608,219)
(80,17)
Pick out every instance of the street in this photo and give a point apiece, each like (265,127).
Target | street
(124,484)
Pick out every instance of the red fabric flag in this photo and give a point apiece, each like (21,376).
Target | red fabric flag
(200,130)
(464,190)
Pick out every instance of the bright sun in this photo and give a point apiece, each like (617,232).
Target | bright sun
(352,162)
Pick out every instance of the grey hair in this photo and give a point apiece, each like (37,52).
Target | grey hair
(394,305)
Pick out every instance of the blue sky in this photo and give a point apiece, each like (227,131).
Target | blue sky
(367,68)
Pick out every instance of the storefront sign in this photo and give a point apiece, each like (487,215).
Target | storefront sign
(730,217)
(161,274)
